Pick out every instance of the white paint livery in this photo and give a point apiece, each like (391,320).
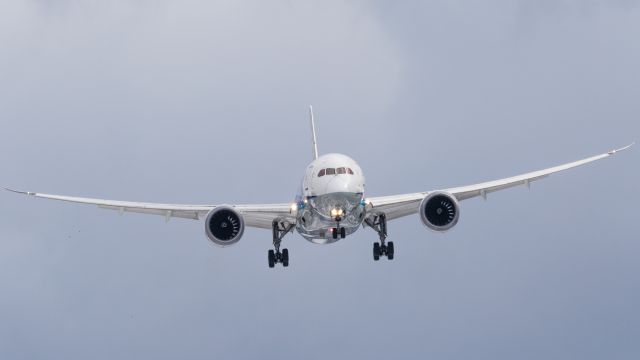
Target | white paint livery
(329,205)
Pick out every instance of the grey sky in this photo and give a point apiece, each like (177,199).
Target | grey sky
(205,102)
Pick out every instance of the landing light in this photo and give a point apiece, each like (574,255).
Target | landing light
(336,212)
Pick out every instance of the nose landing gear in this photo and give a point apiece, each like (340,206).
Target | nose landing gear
(382,248)
(280,229)
(338,231)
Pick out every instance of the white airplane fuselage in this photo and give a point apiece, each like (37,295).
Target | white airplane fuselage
(331,197)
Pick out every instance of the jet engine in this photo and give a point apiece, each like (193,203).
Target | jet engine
(224,226)
(439,211)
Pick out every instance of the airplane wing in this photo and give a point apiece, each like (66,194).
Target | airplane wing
(402,205)
(255,215)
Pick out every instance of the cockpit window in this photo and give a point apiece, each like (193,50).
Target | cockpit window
(334,171)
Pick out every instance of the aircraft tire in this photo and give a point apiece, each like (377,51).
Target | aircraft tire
(272,258)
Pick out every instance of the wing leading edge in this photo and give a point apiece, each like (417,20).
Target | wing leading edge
(255,215)
(402,205)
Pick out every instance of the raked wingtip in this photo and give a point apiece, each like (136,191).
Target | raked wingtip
(19,192)
(621,149)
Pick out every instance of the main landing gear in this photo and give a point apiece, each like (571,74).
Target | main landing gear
(382,248)
(280,229)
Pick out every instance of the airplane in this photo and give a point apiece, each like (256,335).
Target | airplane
(330,205)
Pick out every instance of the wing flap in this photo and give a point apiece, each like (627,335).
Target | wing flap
(463,193)
(184,214)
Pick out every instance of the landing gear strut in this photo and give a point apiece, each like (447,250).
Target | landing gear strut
(280,229)
(382,248)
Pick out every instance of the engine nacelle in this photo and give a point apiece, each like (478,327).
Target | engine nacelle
(439,211)
(224,226)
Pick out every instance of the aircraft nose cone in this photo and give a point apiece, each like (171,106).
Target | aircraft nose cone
(341,184)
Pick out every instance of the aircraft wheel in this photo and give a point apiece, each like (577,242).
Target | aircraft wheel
(390,250)
(343,232)
(285,257)
(272,258)
(376,251)
(334,233)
